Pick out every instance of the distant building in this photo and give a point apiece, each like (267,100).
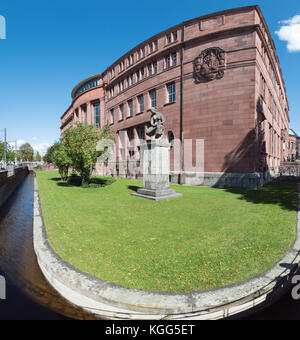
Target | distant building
(293,147)
(215,78)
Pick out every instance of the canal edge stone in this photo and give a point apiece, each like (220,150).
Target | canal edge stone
(110,301)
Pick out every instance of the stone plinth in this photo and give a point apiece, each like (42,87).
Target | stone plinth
(156,171)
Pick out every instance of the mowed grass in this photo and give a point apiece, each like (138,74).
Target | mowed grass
(208,238)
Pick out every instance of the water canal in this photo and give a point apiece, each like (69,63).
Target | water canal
(30,297)
(28,294)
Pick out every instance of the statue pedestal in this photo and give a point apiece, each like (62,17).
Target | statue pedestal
(156,171)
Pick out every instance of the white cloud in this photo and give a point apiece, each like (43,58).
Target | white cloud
(41,148)
(19,143)
(290,32)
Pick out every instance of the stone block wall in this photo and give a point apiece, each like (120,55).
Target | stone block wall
(9,184)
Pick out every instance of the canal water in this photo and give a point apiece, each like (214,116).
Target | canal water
(30,297)
(28,294)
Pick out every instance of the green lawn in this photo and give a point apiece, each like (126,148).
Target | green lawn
(205,239)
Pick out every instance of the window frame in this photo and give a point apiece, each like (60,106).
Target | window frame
(171,95)
(97,114)
(121,110)
(130,107)
(112,116)
(141,103)
(154,98)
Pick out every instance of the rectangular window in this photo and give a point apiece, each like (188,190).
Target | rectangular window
(141,132)
(142,73)
(174,36)
(155,45)
(155,67)
(149,70)
(96,114)
(174,59)
(141,103)
(130,134)
(152,98)
(84,111)
(138,76)
(168,61)
(138,53)
(150,48)
(143,52)
(130,108)
(171,92)
(112,116)
(169,39)
(121,111)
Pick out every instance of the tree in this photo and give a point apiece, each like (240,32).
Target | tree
(37,157)
(61,160)
(48,156)
(27,152)
(80,143)
(10,153)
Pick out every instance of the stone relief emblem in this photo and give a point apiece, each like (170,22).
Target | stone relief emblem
(209,65)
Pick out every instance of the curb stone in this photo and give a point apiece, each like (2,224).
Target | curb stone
(110,301)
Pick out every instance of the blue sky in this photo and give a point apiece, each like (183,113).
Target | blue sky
(52,45)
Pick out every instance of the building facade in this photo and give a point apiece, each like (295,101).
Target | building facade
(217,80)
(291,149)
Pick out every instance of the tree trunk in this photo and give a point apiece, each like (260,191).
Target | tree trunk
(85,178)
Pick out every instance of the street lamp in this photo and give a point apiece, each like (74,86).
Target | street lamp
(5,147)
(16,149)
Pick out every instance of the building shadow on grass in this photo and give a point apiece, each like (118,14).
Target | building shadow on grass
(248,161)
(282,193)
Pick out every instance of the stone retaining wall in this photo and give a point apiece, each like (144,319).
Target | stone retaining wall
(110,301)
(9,184)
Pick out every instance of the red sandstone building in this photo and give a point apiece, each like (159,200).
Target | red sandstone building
(215,78)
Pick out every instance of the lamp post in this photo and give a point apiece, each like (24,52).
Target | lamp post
(16,149)
(5,147)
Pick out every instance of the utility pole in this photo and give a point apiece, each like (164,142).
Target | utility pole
(16,152)
(5,148)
